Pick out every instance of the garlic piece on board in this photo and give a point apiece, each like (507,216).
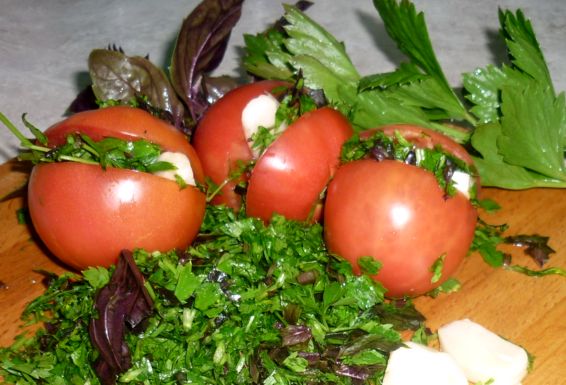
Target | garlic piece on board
(419,364)
(483,355)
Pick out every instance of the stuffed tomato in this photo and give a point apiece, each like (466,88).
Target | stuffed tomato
(406,202)
(289,174)
(86,214)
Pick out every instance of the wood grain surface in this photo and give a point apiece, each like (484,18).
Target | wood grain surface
(528,311)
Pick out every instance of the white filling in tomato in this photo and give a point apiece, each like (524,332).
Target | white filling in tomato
(462,182)
(259,112)
(182,164)
(483,355)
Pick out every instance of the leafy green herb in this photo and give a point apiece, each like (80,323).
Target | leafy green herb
(487,239)
(518,122)
(140,155)
(451,285)
(263,137)
(523,135)
(23,216)
(430,91)
(305,46)
(233,308)
(436,268)
(369,265)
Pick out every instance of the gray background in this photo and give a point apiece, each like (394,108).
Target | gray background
(44,44)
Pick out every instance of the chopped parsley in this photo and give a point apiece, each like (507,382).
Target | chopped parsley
(247,303)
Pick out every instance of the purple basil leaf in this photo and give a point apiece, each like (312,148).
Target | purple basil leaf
(123,301)
(361,373)
(536,246)
(295,334)
(116,76)
(217,87)
(84,101)
(403,316)
(368,341)
(200,47)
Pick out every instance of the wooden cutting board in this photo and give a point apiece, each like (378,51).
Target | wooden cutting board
(528,311)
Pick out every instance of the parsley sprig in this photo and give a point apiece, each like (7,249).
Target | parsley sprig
(522,135)
(516,120)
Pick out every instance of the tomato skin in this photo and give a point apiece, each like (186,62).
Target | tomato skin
(290,176)
(398,214)
(220,142)
(86,215)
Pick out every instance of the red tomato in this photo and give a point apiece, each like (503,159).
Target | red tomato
(289,177)
(220,142)
(86,215)
(398,214)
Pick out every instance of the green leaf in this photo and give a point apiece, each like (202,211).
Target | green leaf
(483,90)
(494,171)
(533,127)
(332,293)
(98,277)
(436,268)
(369,265)
(187,284)
(296,363)
(306,37)
(373,109)
(523,46)
(266,56)
(409,30)
(430,95)
(337,90)
(451,285)
(537,273)
(406,73)
(207,296)
(366,357)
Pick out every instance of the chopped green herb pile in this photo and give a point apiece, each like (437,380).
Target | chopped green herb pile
(248,303)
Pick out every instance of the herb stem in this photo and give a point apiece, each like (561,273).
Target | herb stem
(78,160)
(24,141)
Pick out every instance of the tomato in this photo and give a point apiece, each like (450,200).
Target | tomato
(289,177)
(399,215)
(220,141)
(86,215)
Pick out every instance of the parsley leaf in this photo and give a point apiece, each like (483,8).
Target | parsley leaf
(522,137)
(304,46)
